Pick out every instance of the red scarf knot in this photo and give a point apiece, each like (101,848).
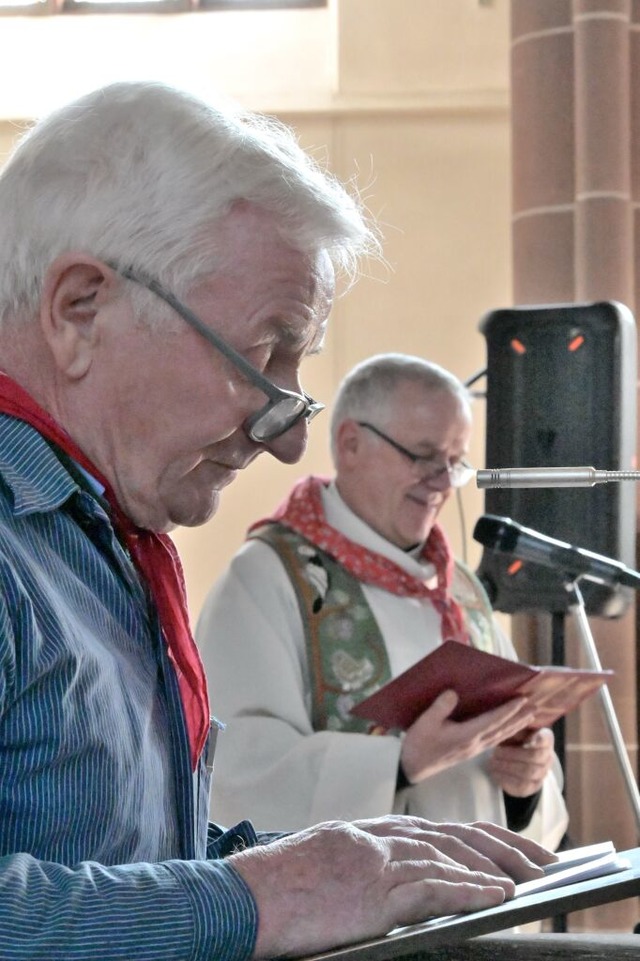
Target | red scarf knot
(303,511)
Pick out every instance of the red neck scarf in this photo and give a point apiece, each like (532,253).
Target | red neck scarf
(155,558)
(303,512)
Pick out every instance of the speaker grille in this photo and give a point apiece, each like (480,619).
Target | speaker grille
(561,392)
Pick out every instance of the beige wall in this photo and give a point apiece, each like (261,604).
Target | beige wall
(408,96)
(429,135)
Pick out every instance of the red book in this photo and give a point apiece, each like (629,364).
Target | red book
(482,681)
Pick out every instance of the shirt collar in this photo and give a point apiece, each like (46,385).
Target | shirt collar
(31,470)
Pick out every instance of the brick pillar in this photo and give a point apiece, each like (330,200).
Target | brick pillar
(604,266)
(574,66)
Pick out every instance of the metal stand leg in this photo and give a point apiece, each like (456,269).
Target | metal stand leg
(558,659)
(589,647)
(559,924)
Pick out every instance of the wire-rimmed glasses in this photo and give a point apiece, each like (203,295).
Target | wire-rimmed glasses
(459,471)
(283,409)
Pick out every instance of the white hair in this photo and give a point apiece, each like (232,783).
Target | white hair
(137,174)
(367,392)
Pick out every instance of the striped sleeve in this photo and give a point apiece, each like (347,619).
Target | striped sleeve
(174,911)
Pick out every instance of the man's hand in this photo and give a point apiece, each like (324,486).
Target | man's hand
(434,742)
(337,882)
(520,769)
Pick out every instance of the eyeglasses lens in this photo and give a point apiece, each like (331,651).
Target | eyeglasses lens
(459,473)
(274,420)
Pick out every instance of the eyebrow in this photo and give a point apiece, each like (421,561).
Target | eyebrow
(433,451)
(289,331)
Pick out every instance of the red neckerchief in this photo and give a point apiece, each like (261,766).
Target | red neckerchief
(156,559)
(303,512)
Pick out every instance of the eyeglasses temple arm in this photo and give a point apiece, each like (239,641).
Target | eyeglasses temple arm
(271,390)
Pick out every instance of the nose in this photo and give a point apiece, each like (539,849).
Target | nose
(440,481)
(290,446)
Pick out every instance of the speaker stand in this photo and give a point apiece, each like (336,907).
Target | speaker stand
(577,609)
(559,921)
(558,660)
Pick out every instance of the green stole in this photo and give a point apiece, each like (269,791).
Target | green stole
(346,652)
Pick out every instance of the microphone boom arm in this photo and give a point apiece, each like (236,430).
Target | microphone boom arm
(511,477)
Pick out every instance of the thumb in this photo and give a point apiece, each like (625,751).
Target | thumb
(445,704)
(542,737)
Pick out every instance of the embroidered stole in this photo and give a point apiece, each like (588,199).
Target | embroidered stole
(346,652)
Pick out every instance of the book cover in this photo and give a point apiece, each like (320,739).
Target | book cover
(482,681)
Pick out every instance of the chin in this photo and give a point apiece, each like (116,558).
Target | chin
(193,515)
(423,533)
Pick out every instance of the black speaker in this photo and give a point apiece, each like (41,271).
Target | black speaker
(561,392)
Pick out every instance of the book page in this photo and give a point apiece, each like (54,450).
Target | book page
(578,864)
(574,856)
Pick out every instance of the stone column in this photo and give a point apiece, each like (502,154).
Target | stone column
(574,150)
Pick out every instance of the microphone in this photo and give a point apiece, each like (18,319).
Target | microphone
(551,477)
(503,534)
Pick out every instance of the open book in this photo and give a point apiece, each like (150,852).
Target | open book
(482,681)
(577,864)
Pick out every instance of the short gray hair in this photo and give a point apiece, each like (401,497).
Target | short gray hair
(367,391)
(138,173)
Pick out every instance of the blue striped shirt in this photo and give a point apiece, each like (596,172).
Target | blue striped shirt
(105,850)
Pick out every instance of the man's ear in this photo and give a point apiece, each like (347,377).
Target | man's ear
(347,442)
(75,287)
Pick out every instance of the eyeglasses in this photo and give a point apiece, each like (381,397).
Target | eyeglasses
(459,471)
(284,407)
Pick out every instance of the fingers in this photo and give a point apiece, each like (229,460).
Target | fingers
(410,901)
(521,769)
(484,847)
(434,742)
(451,858)
(507,716)
(444,705)
(542,738)
(425,882)
(508,849)
(502,722)
(492,727)
(424,889)
(436,869)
